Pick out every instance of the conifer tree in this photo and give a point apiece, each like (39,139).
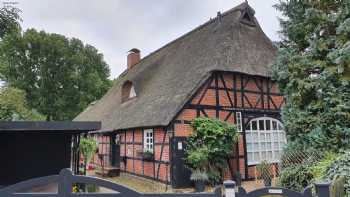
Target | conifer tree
(313,71)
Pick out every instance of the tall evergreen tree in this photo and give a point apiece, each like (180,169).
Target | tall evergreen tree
(60,76)
(313,71)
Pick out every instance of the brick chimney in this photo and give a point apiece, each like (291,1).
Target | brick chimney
(134,56)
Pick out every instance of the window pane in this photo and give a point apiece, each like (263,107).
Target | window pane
(276,146)
(263,156)
(274,125)
(268,125)
(261,125)
(256,147)
(275,136)
(249,147)
(281,136)
(269,155)
(277,155)
(262,137)
(255,136)
(256,157)
(254,126)
(268,146)
(249,137)
(263,146)
(250,157)
(268,137)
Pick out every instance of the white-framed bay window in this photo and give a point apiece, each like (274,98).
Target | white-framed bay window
(265,138)
(148,140)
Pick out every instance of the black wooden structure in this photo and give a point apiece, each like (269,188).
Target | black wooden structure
(34,149)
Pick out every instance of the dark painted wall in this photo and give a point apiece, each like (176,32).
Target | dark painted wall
(25,155)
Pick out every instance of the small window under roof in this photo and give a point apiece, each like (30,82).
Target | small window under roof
(128,91)
(247,17)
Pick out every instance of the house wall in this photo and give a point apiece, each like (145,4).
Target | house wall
(131,144)
(222,96)
(103,149)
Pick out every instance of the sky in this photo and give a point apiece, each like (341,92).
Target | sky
(116,26)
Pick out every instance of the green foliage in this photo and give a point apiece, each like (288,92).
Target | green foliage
(14,107)
(87,147)
(209,145)
(340,168)
(61,76)
(9,20)
(295,177)
(312,69)
(319,169)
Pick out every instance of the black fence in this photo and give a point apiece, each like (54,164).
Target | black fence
(65,181)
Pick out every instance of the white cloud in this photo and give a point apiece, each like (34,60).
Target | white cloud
(115,26)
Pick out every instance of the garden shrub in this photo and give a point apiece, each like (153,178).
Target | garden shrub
(319,169)
(296,177)
(209,145)
(340,167)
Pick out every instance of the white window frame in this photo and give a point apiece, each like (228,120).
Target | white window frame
(148,140)
(264,143)
(239,121)
(132,92)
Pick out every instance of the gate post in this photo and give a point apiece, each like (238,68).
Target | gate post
(229,186)
(323,189)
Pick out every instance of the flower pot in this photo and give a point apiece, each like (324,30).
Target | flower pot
(199,185)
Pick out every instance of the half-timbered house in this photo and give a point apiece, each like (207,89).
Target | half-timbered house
(221,70)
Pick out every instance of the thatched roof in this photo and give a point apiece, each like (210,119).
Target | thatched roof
(168,77)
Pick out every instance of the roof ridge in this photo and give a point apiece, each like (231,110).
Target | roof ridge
(241,6)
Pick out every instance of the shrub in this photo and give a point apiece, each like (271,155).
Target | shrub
(340,167)
(296,177)
(319,169)
(209,145)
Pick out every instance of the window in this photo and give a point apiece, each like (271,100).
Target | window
(239,121)
(265,139)
(128,91)
(247,17)
(148,140)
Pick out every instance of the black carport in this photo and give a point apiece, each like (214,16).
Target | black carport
(30,149)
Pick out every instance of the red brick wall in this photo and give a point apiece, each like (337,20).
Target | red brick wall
(158,169)
(236,93)
(103,148)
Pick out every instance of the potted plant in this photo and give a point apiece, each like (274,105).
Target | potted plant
(265,173)
(147,155)
(199,178)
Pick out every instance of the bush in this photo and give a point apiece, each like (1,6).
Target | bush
(296,177)
(340,167)
(209,145)
(319,169)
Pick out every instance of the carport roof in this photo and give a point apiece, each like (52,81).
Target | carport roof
(64,126)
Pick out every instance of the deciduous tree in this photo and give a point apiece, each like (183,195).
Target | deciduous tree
(59,75)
